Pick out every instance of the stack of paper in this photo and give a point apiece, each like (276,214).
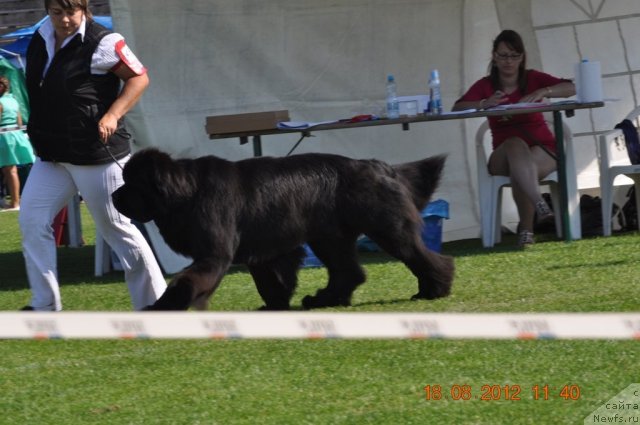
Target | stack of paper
(296,125)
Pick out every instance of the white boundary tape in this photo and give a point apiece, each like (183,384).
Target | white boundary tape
(314,325)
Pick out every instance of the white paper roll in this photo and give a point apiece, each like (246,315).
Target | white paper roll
(588,80)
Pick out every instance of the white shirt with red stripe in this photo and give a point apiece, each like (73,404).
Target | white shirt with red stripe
(112,51)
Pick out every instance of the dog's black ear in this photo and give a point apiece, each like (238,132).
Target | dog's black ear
(142,164)
(170,178)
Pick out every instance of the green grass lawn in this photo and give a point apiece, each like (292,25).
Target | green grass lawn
(332,381)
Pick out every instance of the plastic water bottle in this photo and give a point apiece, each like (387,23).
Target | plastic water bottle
(435,99)
(393,108)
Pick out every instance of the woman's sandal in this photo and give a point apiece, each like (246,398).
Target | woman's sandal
(525,239)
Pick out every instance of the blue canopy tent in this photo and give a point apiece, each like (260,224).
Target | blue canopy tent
(15,52)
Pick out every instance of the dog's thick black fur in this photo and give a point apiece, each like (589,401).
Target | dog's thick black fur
(260,211)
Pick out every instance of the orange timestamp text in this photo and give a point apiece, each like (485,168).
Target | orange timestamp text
(510,392)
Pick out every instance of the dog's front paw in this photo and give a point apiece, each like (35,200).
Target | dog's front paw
(161,305)
(432,293)
(325,299)
(274,307)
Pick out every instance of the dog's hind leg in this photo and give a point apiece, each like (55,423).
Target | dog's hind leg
(435,278)
(345,274)
(434,271)
(276,280)
(192,287)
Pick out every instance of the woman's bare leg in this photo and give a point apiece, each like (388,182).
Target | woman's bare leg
(525,166)
(12,181)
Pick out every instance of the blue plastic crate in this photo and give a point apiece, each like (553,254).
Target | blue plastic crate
(433,215)
(310,260)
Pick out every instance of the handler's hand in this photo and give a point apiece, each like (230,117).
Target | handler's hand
(107,126)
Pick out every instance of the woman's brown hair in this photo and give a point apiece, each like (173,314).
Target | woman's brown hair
(514,42)
(70,5)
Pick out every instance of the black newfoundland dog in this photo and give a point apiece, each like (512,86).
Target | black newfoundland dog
(260,211)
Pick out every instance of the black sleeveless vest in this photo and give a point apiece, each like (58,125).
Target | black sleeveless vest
(67,103)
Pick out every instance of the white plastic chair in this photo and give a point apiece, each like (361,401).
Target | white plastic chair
(74,222)
(614,161)
(106,260)
(490,190)
(103,262)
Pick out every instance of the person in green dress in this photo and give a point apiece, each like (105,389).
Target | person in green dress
(15,148)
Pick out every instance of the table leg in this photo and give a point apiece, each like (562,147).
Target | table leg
(562,175)
(257,146)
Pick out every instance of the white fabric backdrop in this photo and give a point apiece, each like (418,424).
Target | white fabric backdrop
(320,60)
(325,60)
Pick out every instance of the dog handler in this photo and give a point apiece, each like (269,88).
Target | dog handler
(74,72)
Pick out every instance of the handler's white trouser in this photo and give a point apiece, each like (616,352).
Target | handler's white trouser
(50,186)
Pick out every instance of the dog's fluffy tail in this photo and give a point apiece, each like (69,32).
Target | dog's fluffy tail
(422,177)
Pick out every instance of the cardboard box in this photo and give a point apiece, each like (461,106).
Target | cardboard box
(238,123)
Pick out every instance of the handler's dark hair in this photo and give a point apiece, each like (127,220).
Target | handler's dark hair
(70,5)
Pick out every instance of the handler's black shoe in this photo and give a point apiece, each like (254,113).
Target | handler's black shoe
(27,308)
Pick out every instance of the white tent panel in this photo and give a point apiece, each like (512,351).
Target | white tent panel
(319,60)
(326,60)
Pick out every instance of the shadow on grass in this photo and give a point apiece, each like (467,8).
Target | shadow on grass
(591,265)
(75,266)
(383,302)
(509,243)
